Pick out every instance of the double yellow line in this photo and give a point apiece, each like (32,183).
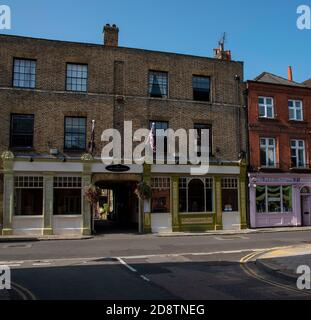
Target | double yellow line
(252,273)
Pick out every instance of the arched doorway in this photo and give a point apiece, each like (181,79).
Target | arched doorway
(305,194)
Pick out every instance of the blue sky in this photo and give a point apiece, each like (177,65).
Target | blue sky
(263,33)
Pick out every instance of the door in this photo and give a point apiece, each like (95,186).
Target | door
(306,210)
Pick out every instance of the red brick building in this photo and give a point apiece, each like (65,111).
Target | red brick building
(279,115)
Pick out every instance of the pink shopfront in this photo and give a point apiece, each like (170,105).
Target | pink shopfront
(279,200)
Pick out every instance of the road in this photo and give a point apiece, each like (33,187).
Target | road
(136,267)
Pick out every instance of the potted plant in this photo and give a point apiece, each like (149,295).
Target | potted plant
(143,191)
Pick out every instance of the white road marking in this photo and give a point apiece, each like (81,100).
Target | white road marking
(145,278)
(126,265)
(42,264)
(231,238)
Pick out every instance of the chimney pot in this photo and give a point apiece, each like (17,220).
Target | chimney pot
(111,35)
(290,73)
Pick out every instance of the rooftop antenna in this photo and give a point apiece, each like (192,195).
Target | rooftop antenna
(222,41)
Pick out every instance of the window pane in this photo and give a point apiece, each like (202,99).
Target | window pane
(67,201)
(261,199)
(28,202)
(262,111)
(274,199)
(196,196)
(230,200)
(287,198)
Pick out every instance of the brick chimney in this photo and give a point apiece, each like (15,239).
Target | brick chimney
(111,35)
(220,52)
(290,73)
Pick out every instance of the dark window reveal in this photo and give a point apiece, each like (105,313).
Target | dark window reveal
(201,88)
(22,127)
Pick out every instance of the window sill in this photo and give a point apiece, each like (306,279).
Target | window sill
(273,213)
(22,149)
(68,215)
(28,216)
(297,122)
(75,150)
(267,119)
(269,169)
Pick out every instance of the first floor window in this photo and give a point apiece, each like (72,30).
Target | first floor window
(295,110)
(76,79)
(67,195)
(28,195)
(201,88)
(22,127)
(266,109)
(24,73)
(273,199)
(297,153)
(75,133)
(230,194)
(267,152)
(160,199)
(158,84)
(196,194)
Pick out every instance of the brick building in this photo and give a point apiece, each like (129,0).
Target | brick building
(279,120)
(50,91)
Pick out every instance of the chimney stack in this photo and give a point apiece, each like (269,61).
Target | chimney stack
(111,35)
(220,52)
(290,73)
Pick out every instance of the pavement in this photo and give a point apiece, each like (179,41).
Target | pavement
(284,262)
(13,238)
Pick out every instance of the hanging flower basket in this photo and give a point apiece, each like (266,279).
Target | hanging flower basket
(143,191)
(92,193)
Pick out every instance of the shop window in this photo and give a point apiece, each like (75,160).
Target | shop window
(28,195)
(67,195)
(195,194)
(230,194)
(274,199)
(160,199)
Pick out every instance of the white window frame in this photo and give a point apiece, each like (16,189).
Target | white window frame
(297,148)
(294,109)
(266,106)
(266,146)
